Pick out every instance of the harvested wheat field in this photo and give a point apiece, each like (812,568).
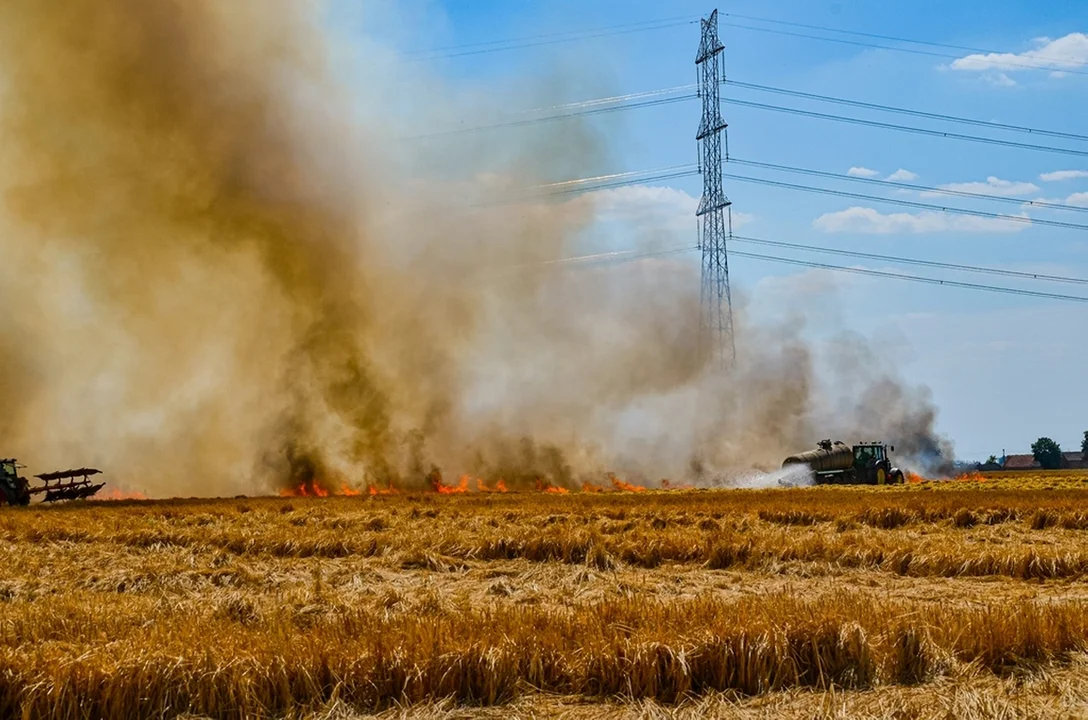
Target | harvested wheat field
(931,600)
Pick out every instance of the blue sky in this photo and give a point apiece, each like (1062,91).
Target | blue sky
(1003,370)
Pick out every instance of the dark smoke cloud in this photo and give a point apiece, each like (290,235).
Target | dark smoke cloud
(221,277)
(876,404)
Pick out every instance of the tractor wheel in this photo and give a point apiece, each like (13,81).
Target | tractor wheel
(3,497)
(897,478)
(881,476)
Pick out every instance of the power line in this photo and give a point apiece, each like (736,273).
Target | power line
(623,256)
(906,111)
(908,203)
(912,278)
(690,88)
(907,128)
(1042,204)
(652,98)
(856,33)
(491,46)
(605,258)
(687,168)
(912,51)
(563,116)
(913,261)
(584,185)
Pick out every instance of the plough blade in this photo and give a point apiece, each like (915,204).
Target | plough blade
(63,485)
(75,491)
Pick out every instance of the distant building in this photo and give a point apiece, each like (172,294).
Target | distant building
(1070,461)
(1021,462)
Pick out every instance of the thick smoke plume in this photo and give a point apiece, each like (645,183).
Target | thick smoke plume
(221,276)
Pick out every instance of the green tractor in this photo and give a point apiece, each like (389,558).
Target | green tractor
(14,489)
(62,485)
(836,463)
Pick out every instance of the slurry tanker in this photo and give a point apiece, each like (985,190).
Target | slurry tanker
(836,463)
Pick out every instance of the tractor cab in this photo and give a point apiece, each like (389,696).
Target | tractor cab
(14,490)
(867,455)
(872,464)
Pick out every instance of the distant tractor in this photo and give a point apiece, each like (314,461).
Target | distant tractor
(836,463)
(63,485)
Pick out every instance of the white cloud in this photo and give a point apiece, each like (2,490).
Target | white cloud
(902,175)
(741,219)
(862,172)
(992,186)
(1064,53)
(785,293)
(1079,199)
(872,221)
(649,206)
(1059,175)
(1001,80)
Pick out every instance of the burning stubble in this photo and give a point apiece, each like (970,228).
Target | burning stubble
(216,284)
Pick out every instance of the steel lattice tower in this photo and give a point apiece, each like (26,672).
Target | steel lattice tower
(716,217)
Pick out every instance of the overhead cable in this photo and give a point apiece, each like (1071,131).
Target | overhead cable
(912,51)
(876,36)
(491,46)
(905,111)
(911,278)
(912,261)
(605,258)
(600,182)
(1023,219)
(688,167)
(689,89)
(905,128)
(589,108)
(627,256)
(1041,204)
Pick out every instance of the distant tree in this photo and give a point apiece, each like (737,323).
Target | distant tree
(992,460)
(1084,447)
(1047,453)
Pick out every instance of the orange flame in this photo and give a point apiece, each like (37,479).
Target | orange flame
(306,489)
(624,486)
(971,477)
(589,487)
(546,487)
(481,486)
(371,490)
(440,487)
(115,494)
(915,478)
